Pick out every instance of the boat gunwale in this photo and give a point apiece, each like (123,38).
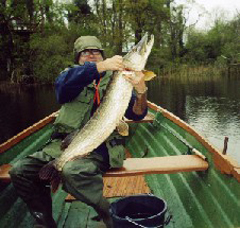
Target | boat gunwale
(225,163)
(27,132)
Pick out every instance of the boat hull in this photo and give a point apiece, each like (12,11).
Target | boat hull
(195,199)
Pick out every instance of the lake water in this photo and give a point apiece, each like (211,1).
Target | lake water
(211,106)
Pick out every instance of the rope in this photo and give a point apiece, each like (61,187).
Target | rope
(96,95)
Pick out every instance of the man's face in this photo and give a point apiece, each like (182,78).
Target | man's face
(90,55)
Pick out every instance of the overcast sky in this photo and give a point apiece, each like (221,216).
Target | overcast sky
(204,12)
(210,10)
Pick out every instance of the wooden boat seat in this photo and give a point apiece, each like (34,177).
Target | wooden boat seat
(147,119)
(159,165)
(139,166)
(4,175)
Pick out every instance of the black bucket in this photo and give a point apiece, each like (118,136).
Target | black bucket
(146,211)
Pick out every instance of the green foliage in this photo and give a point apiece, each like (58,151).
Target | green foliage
(195,47)
(221,43)
(53,52)
(44,48)
(49,57)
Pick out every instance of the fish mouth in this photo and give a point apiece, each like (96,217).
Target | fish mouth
(143,45)
(137,57)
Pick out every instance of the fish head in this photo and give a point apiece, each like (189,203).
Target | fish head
(136,58)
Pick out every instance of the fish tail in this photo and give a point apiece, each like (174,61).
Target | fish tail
(50,173)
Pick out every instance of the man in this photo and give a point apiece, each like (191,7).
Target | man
(79,89)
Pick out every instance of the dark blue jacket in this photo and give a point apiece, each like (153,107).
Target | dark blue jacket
(72,81)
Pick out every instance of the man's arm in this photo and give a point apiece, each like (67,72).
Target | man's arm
(131,114)
(71,82)
(138,103)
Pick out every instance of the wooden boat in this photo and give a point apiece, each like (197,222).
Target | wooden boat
(200,184)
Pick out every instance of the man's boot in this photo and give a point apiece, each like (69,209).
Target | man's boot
(103,210)
(41,210)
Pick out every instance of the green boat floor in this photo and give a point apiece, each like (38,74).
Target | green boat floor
(81,216)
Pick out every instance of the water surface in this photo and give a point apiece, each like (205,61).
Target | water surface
(22,106)
(210,105)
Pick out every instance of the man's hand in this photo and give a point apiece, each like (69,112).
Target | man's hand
(140,88)
(114,63)
(137,82)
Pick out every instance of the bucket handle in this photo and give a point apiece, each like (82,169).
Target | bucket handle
(133,222)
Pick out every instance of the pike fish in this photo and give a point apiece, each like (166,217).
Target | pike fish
(110,111)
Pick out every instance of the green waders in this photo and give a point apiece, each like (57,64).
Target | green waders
(82,178)
(34,192)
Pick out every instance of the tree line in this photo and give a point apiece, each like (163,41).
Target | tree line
(36,36)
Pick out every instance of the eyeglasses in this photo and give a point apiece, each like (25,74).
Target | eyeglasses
(90,52)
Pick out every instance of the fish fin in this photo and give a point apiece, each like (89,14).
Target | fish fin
(123,128)
(50,173)
(55,183)
(66,142)
(148,75)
